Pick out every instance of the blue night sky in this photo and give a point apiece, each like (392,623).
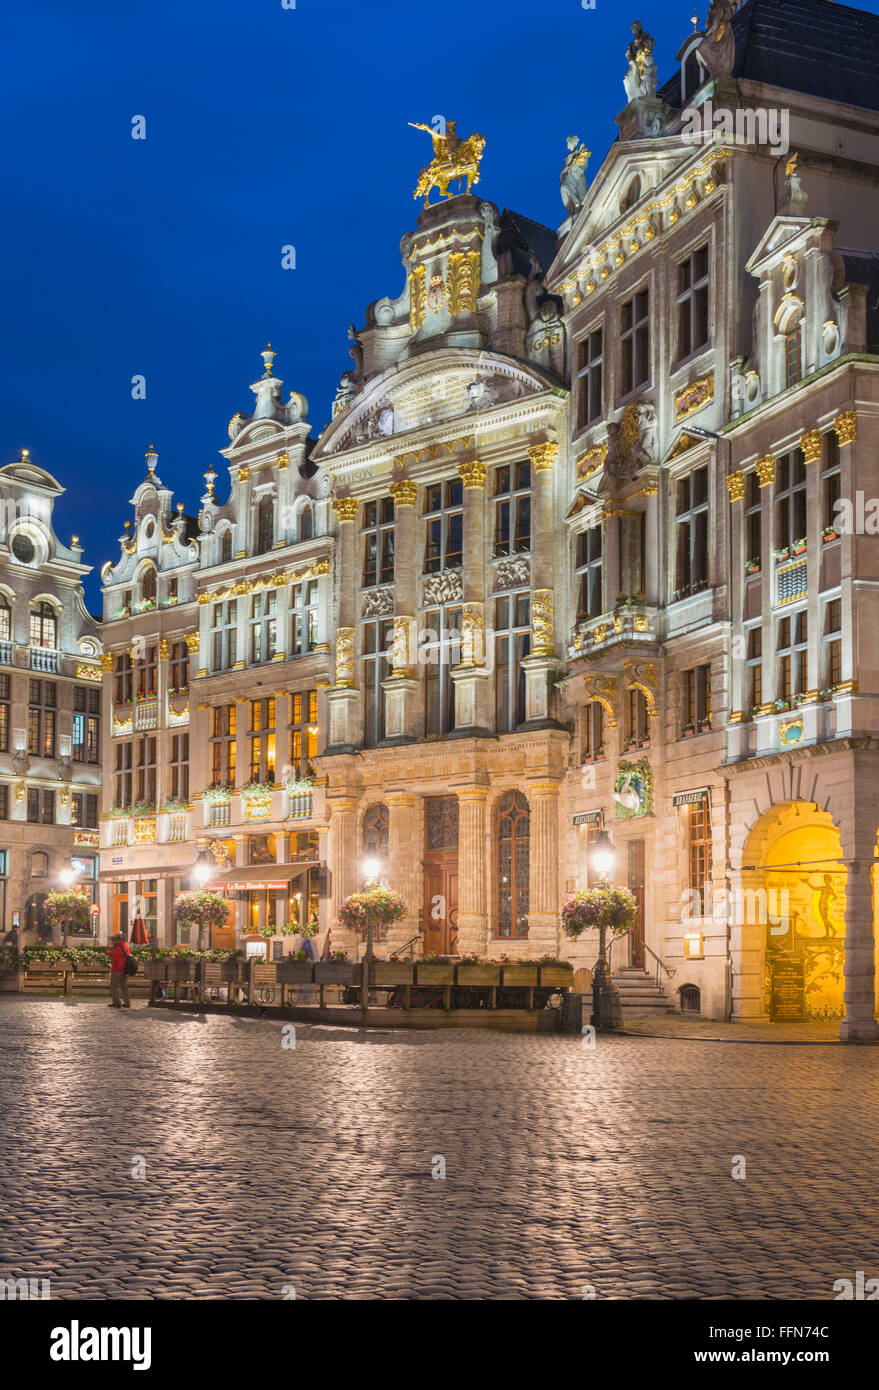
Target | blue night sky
(265,126)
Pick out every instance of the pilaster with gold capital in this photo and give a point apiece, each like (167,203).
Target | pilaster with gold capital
(473,907)
(404,493)
(344,865)
(405,836)
(346,552)
(543,457)
(544,926)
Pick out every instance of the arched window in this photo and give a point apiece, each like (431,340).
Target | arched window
(35,915)
(631,195)
(225,547)
(43,626)
(5,620)
(265,525)
(512,831)
(39,865)
(376,824)
(306,523)
(148,585)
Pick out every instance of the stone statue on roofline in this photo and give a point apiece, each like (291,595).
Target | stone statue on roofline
(717,51)
(640,78)
(572,179)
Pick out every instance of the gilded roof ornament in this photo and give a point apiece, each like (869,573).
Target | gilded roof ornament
(453,159)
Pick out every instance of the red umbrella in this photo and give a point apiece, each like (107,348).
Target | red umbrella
(139,934)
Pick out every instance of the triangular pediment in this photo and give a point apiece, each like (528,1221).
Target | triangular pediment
(782,233)
(425,391)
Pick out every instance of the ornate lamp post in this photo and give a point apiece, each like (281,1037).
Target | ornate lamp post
(604,1001)
(200,875)
(371,871)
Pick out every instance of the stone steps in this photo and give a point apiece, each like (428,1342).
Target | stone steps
(639,991)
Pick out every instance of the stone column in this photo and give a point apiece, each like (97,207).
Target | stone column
(344,867)
(859,1023)
(404,864)
(472,689)
(543,884)
(473,905)
(343,698)
(542,660)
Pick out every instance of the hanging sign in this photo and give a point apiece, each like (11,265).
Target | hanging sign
(589,818)
(689,798)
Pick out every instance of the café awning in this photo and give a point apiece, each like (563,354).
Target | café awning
(256,876)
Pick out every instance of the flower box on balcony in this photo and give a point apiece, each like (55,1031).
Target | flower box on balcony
(434,974)
(780,554)
(295,972)
(688,731)
(799,547)
(391,973)
(336,972)
(829,533)
(556,976)
(752,567)
(478,975)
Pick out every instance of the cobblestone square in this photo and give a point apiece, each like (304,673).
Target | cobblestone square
(311,1166)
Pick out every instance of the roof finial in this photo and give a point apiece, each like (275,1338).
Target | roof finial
(151,459)
(268,357)
(210,479)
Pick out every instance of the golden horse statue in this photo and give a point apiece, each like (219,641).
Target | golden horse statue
(453,159)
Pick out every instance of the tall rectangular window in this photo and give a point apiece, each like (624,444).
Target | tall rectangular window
(444,525)
(587,573)
(145,674)
(303,732)
(377,639)
(145,771)
(832,643)
(692,303)
(225,634)
(40,807)
(791,652)
(790,504)
(42,718)
(831,484)
(4,713)
(699,855)
(635,342)
(753,524)
(754,667)
(123,679)
(84,810)
(263,627)
(793,351)
(178,768)
(378,542)
(593,732)
(4,801)
(590,376)
(224,724)
(512,643)
(637,720)
(86,724)
(697,699)
(122,774)
(440,653)
(303,602)
(262,740)
(512,509)
(178,669)
(691,533)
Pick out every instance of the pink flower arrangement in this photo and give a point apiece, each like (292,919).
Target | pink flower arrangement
(376,907)
(609,907)
(201,908)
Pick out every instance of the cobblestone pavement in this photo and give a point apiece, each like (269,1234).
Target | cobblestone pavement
(650,1023)
(311,1167)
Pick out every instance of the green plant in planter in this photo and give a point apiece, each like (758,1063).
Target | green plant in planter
(252,790)
(298,786)
(173,805)
(211,794)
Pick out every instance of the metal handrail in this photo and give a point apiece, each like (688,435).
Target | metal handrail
(609,949)
(659,962)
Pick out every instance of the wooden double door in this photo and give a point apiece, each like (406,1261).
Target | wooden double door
(441,903)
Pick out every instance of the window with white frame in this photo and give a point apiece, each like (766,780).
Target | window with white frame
(263,626)
(303,603)
(791,654)
(444,525)
(691,533)
(587,573)
(225,634)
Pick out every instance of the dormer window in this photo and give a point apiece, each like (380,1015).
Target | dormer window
(265,526)
(148,586)
(225,547)
(306,523)
(631,195)
(793,356)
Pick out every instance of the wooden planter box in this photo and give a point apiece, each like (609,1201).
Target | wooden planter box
(47,967)
(519,976)
(557,976)
(434,974)
(181,968)
(155,970)
(295,972)
(478,974)
(393,973)
(336,972)
(264,975)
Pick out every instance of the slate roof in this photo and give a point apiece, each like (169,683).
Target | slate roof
(862,268)
(540,241)
(811,46)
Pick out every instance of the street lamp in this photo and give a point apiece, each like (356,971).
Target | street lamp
(601,862)
(200,874)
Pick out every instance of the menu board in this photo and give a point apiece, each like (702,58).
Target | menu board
(788,1002)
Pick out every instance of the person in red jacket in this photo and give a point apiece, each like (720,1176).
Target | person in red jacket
(118,977)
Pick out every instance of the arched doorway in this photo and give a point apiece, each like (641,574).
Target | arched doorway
(790,911)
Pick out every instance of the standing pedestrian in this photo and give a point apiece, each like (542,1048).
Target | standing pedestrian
(118,976)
